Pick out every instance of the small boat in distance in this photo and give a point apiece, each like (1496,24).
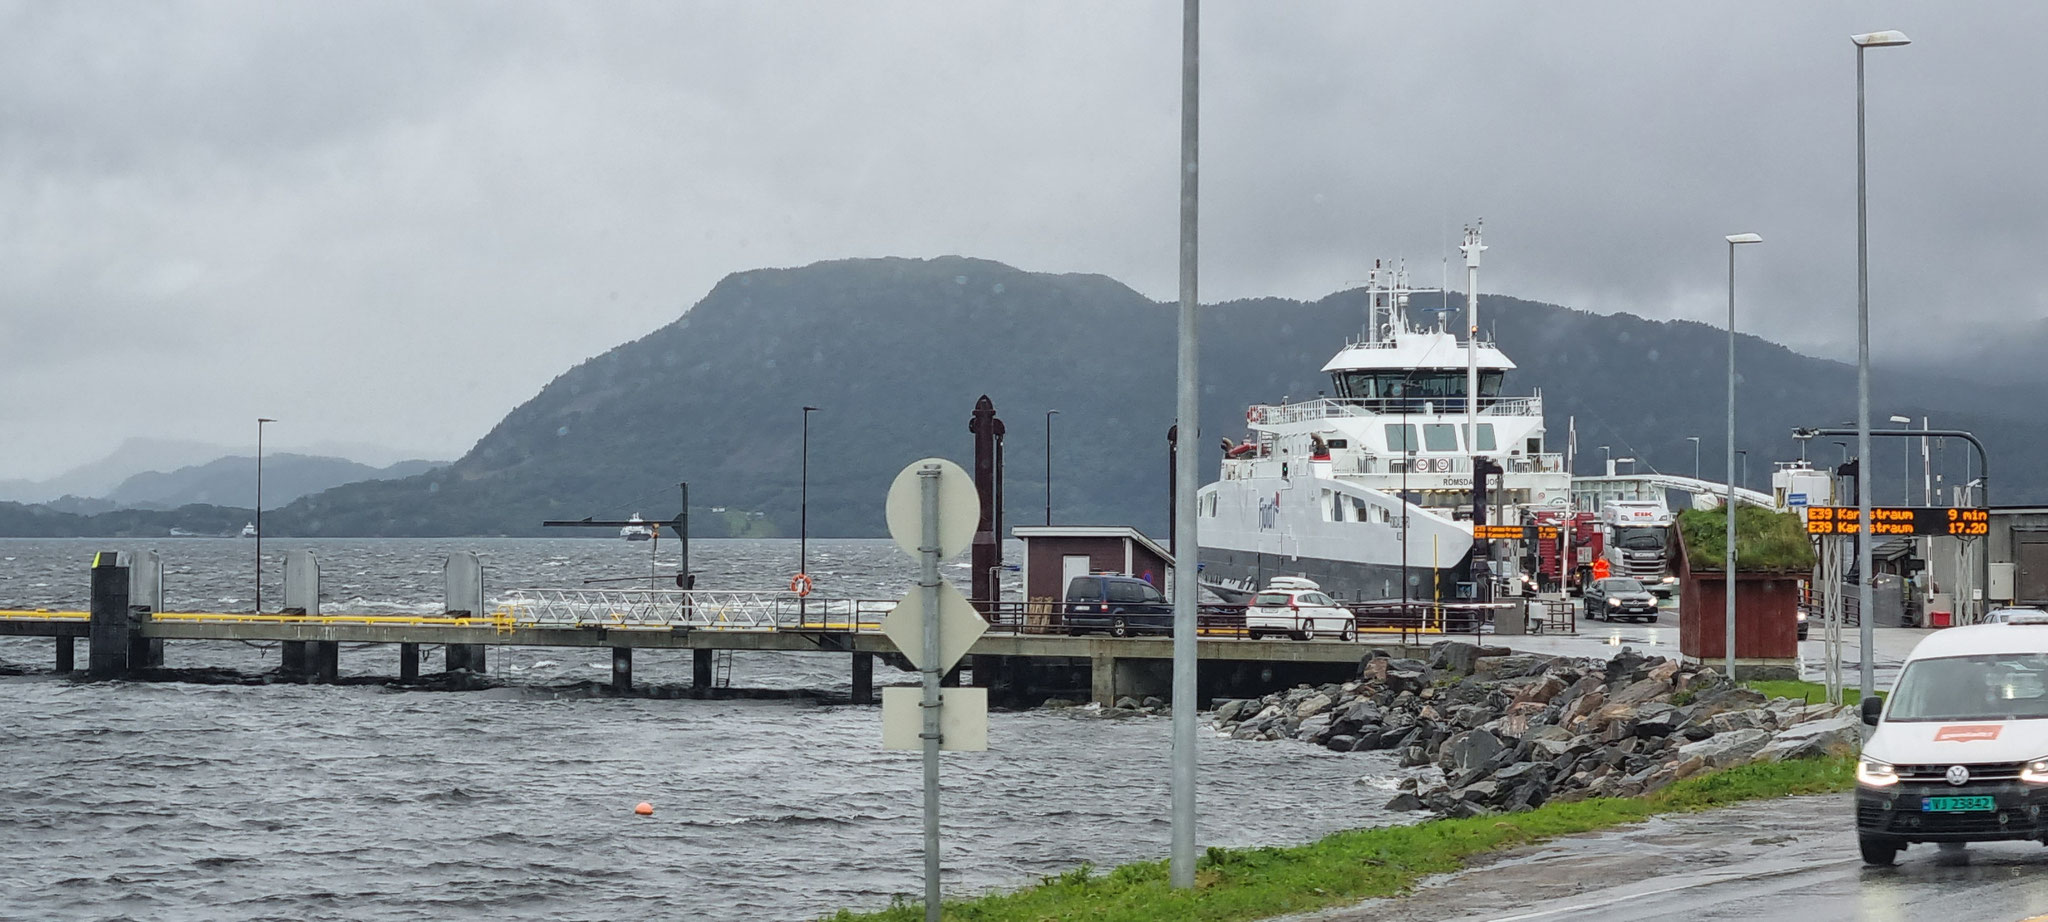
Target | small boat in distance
(635,531)
(249,530)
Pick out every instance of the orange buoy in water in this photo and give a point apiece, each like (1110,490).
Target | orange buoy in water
(644,809)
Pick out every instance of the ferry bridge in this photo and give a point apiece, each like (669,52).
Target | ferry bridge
(1025,653)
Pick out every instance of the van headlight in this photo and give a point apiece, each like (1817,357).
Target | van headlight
(1875,774)
(2035,772)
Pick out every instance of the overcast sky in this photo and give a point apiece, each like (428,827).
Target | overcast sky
(392,222)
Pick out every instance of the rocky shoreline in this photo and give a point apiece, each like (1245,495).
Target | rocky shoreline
(1511,731)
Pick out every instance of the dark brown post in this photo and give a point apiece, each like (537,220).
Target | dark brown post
(988,548)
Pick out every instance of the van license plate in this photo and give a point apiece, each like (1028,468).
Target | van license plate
(1956,805)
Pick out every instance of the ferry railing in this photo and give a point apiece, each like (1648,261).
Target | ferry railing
(1339,407)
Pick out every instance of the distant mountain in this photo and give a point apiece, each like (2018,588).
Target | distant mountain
(97,478)
(894,352)
(231,481)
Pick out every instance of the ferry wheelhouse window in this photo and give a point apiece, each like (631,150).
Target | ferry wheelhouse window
(1483,438)
(1401,437)
(1381,384)
(1440,437)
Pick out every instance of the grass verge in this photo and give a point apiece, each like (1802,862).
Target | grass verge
(1255,883)
(1813,692)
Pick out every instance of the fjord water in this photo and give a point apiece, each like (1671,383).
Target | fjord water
(173,801)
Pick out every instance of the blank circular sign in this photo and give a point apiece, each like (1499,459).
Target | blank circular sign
(959,508)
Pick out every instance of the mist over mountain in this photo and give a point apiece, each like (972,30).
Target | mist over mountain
(231,481)
(894,352)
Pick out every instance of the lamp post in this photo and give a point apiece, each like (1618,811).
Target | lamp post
(1695,440)
(1049,414)
(1744,466)
(1906,460)
(803,502)
(259,511)
(1606,462)
(1728,508)
(1863,593)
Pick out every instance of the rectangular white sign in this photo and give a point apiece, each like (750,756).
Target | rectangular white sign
(963,718)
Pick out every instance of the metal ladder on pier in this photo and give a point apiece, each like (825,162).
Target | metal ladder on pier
(721,669)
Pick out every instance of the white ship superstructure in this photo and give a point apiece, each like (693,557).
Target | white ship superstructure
(1372,486)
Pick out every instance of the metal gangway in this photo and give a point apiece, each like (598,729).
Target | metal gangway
(1590,493)
(705,610)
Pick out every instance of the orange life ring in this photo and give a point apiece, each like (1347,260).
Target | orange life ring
(800,584)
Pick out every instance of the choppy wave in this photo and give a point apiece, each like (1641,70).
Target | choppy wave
(241,802)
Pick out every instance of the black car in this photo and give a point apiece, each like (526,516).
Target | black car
(1121,605)
(1620,597)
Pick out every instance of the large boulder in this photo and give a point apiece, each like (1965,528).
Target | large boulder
(1639,692)
(1230,709)
(1311,706)
(1655,719)
(1469,756)
(1541,691)
(1723,750)
(1454,656)
(1704,707)
(1834,736)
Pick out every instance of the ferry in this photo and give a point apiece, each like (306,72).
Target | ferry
(634,531)
(248,529)
(1371,488)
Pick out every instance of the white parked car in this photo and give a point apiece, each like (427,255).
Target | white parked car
(1298,608)
(2021,615)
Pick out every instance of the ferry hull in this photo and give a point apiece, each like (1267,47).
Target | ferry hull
(1235,575)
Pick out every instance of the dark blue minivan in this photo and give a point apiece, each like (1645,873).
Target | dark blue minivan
(1121,605)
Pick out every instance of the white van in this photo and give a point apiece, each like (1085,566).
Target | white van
(1961,748)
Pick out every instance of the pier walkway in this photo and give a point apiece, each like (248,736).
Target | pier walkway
(1026,654)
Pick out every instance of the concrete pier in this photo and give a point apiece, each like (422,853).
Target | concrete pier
(464,595)
(408,662)
(622,669)
(304,661)
(65,654)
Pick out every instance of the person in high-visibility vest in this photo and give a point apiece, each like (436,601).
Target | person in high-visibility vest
(1600,568)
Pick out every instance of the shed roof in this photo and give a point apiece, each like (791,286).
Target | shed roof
(1028,532)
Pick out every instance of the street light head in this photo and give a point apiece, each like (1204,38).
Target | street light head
(809,409)
(262,420)
(1884,39)
(1803,434)
(1901,419)
(1744,238)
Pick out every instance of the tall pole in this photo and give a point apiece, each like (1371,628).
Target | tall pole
(933,670)
(1865,637)
(1728,506)
(1049,414)
(1185,585)
(259,511)
(803,502)
(1695,440)
(1471,248)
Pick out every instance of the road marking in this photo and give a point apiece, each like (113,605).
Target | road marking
(1704,882)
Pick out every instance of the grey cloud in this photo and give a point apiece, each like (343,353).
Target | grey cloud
(391,222)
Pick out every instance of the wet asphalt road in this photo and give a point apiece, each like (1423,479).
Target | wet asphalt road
(1786,859)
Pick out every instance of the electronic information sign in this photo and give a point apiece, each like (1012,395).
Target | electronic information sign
(1899,521)
(1513,532)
